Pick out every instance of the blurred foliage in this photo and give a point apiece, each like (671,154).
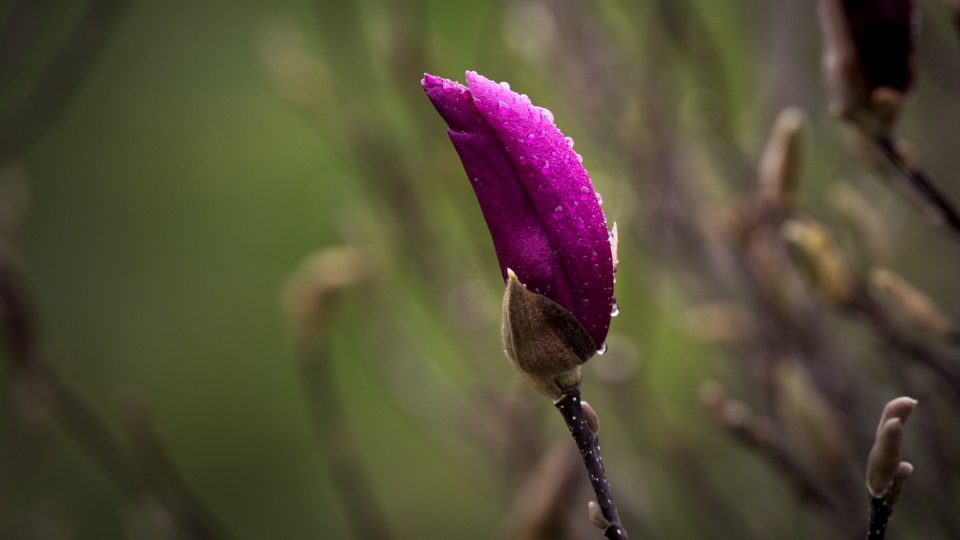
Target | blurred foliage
(210,147)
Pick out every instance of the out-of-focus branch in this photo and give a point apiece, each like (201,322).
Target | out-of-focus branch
(307,301)
(942,208)
(67,406)
(760,435)
(161,475)
(23,23)
(542,505)
(42,104)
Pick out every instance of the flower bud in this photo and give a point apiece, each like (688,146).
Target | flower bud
(596,516)
(823,259)
(917,308)
(779,172)
(590,416)
(543,341)
(884,468)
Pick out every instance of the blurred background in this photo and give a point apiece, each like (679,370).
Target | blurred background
(167,167)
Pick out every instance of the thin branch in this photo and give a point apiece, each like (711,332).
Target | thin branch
(945,210)
(880,510)
(43,104)
(589,445)
(78,418)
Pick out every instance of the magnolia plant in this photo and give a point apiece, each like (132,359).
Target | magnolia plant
(556,254)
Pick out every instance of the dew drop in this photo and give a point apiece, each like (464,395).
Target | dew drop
(603,348)
(505,84)
(586,301)
(599,198)
(524,99)
(579,158)
(546,167)
(615,310)
(558,209)
(447,88)
(569,141)
(584,193)
(530,135)
(523,160)
(504,107)
(580,223)
(476,179)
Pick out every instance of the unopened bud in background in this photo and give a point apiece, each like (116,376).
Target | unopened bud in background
(910,303)
(780,165)
(883,463)
(817,252)
(306,294)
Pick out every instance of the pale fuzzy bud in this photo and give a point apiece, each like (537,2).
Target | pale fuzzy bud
(911,303)
(883,464)
(862,218)
(904,470)
(596,516)
(591,417)
(884,459)
(841,65)
(321,274)
(823,259)
(779,172)
(543,341)
(900,408)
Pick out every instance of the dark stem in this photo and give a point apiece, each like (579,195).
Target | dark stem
(946,212)
(589,445)
(880,510)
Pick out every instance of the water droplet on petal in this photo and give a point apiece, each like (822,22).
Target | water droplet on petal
(524,99)
(505,84)
(615,310)
(584,193)
(580,223)
(546,167)
(447,88)
(599,198)
(569,141)
(558,209)
(579,158)
(523,160)
(586,301)
(603,348)
(476,179)
(530,135)
(504,107)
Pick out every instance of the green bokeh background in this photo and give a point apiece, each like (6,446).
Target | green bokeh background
(179,190)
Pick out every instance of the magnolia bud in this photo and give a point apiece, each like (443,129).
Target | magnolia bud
(840,60)
(904,470)
(779,172)
(596,516)
(883,465)
(542,340)
(590,416)
(915,306)
(823,259)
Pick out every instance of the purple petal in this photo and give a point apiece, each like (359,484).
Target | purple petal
(519,239)
(562,194)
